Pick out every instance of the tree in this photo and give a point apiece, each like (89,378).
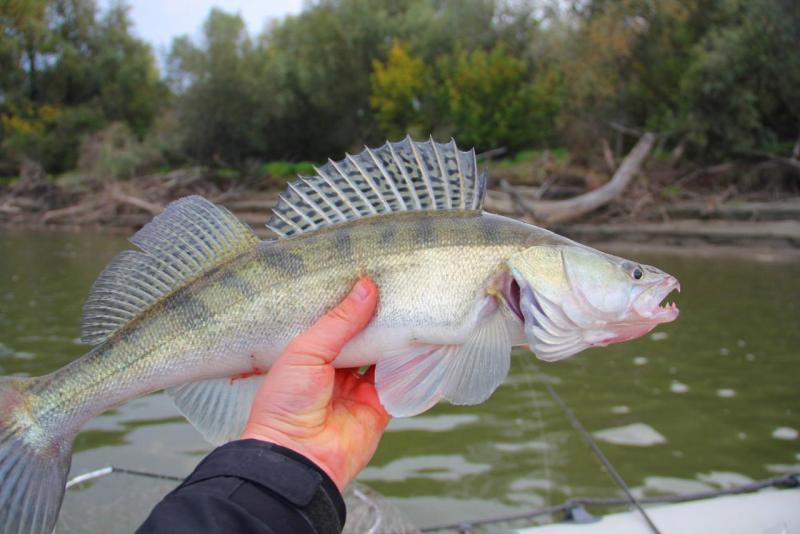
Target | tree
(68,73)
(624,62)
(489,101)
(217,91)
(398,89)
(743,91)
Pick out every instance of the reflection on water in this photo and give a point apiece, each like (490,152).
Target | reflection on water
(632,435)
(719,388)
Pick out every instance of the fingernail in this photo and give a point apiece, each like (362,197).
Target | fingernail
(361,291)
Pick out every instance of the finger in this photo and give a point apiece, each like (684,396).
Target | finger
(324,340)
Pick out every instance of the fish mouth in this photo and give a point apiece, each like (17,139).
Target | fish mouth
(650,307)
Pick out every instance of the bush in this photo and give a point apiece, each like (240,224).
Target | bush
(398,89)
(49,135)
(489,101)
(115,153)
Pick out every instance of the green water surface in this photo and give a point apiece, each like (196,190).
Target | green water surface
(713,398)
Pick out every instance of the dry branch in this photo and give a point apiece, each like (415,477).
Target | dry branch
(559,211)
(608,155)
(69,211)
(136,202)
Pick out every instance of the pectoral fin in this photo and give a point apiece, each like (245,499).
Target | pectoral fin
(412,380)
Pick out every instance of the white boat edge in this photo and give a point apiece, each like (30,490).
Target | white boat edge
(765,512)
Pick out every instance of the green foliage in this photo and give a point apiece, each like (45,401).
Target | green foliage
(488,99)
(743,91)
(65,72)
(287,169)
(116,153)
(217,91)
(559,155)
(398,89)
(48,134)
(228,174)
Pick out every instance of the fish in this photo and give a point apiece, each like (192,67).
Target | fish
(203,307)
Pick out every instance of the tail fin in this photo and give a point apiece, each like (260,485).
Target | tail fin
(33,468)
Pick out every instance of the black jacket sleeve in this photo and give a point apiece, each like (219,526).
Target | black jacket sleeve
(251,486)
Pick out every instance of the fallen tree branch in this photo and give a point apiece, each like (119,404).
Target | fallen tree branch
(627,130)
(6,207)
(559,211)
(53,215)
(491,154)
(608,155)
(136,202)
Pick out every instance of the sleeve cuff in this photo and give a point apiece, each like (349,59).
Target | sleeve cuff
(282,471)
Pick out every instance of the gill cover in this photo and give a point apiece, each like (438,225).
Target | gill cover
(551,332)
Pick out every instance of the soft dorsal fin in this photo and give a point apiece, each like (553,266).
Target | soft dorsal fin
(402,176)
(190,237)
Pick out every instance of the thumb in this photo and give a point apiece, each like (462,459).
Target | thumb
(322,343)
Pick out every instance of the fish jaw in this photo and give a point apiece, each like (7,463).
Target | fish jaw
(648,305)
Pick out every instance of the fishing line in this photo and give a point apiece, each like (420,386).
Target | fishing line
(569,414)
(537,404)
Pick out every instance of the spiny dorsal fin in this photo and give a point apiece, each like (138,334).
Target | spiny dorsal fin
(402,176)
(190,237)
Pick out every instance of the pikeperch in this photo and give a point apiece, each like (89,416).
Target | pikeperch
(203,308)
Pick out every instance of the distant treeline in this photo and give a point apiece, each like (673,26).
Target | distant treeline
(78,89)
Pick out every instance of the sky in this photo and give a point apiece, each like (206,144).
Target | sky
(158,21)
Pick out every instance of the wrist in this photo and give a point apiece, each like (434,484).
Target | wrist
(277,437)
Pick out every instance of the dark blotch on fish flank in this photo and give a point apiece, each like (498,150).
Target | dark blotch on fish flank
(232,280)
(388,235)
(424,233)
(488,230)
(344,246)
(192,311)
(287,263)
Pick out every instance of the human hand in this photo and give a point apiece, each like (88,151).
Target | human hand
(331,416)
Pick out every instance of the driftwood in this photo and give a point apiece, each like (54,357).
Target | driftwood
(559,211)
(69,211)
(608,155)
(743,211)
(136,202)
(491,154)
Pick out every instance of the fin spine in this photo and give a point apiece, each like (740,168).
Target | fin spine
(449,194)
(423,169)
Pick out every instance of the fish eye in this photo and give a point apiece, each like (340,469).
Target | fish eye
(637,273)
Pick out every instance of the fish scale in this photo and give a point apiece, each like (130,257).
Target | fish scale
(204,308)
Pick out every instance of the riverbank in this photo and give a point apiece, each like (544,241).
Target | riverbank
(655,212)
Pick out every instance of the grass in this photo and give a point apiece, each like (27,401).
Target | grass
(287,169)
(527,166)
(559,155)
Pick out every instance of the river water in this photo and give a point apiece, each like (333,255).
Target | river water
(710,400)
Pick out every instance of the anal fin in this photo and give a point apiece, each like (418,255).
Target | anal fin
(218,408)
(411,381)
